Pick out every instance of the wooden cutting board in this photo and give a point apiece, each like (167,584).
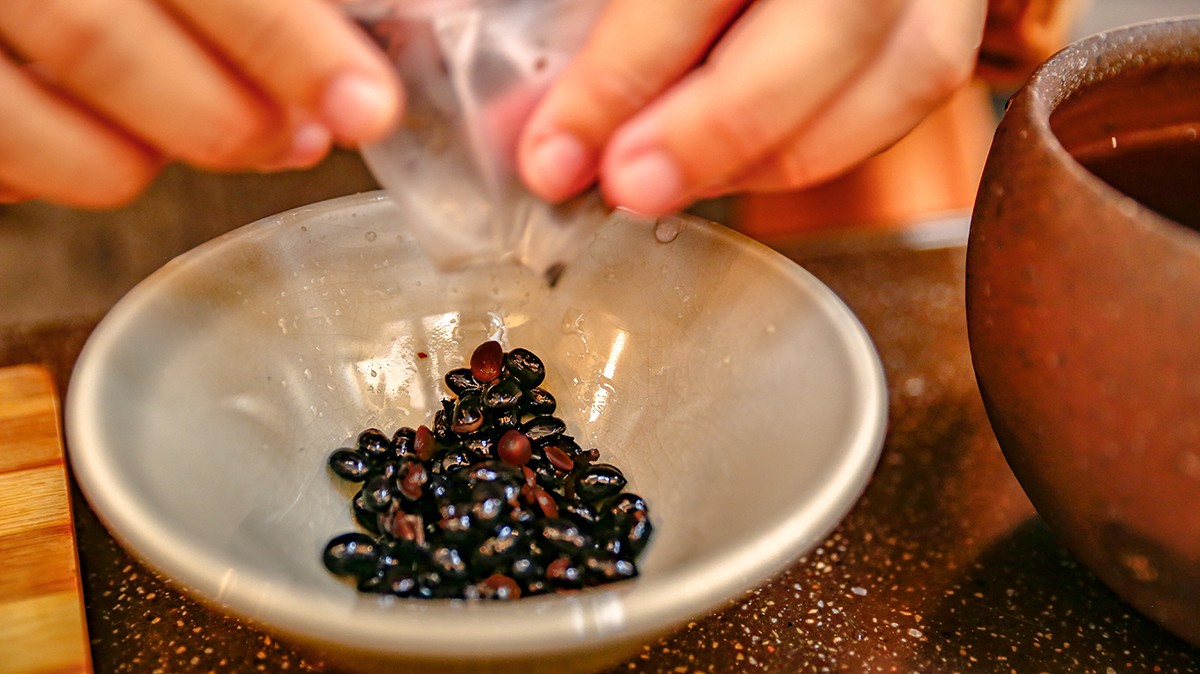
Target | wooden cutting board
(42,624)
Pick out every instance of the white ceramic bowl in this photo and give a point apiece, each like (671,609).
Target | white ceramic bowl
(741,398)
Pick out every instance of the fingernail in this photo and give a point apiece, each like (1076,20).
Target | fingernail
(558,166)
(649,183)
(310,142)
(358,108)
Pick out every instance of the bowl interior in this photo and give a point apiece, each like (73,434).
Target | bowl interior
(742,400)
(1137,127)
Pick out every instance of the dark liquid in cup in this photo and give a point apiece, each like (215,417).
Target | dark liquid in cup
(1163,174)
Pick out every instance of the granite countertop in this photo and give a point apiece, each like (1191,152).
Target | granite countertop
(943,566)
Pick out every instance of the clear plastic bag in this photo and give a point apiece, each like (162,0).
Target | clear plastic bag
(473,70)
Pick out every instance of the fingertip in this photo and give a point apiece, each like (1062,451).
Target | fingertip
(557,165)
(649,182)
(357,107)
(310,142)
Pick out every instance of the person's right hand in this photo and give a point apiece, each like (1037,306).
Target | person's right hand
(671,101)
(97,95)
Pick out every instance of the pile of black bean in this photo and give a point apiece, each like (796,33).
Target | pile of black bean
(491,500)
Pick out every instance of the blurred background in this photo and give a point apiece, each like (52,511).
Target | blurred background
(64,265)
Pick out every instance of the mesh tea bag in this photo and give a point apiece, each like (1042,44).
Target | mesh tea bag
(473,71)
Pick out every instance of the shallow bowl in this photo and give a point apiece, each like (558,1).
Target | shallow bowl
(744,402)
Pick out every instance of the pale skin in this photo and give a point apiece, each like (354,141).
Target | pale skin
(670,101)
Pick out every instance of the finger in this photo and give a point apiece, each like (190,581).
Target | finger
(928,57)
(305,54)
(133,63)
(774,69)
(50,149)
(636,50)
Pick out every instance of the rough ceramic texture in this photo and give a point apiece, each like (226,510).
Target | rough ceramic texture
(743,399)
(1082,313)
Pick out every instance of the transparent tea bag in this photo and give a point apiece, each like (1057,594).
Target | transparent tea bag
(473,70)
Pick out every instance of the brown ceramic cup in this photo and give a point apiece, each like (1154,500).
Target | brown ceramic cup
(1083,307)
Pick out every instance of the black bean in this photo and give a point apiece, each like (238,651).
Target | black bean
(468,413)
(525,366)
(599,481)
(543,428)
(351,554)
(350,464)
(461,380)
(377,494)
(402,442)
(492,499)
(374,444)
(538,401)
(601,566)
(503,392)
(563,535)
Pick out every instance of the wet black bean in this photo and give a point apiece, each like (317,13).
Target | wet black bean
(374,444)
(525,366)
(456,460)
(625,503)
(402,442)
(351,554)
(563,535)
(538,401)
(543,428)
(492,499)
(461,380)
(350,464)
(468,413)
(577,511)
(377,494)
(604,567)
(368,519)
(599,481)
(503,392)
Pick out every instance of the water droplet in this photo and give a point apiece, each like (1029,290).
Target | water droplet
(667,229)
(308,374)
(371,236)
(282,325)
(1190,133)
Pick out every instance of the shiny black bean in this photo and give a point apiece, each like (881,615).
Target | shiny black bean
(577,511)
(503,392)
(455,461)
(601,566)
(467,415)
(374,444)
(543,428)
(449,563)
(460,380)
(351,554)
(598,481)
(350,464)
(399,581)
(525,366)
(563,535)
(377,494)
(538,401)
(368,519)
(402,442)
(624,504)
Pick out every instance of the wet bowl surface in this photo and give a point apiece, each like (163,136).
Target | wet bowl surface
(740,397)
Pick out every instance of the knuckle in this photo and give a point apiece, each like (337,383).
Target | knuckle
(76,42)
(615,88)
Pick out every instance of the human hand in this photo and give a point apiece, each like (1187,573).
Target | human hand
(676,100)
(99,94)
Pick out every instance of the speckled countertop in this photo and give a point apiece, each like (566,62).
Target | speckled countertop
(941,567)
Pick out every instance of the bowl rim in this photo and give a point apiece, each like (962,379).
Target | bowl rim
(435,628)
